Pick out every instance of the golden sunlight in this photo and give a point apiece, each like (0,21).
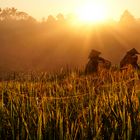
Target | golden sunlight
(92,12)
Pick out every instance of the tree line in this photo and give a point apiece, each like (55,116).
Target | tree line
(28,44)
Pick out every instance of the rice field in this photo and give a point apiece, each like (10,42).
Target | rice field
(68,105)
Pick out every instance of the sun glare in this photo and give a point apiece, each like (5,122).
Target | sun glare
(92,12)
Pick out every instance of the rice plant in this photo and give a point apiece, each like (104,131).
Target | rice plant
(70,106)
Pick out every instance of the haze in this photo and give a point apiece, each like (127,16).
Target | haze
(58,40)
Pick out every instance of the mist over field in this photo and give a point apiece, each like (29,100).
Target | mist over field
(50,90)
(56,42)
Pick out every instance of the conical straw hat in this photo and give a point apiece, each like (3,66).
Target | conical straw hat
(94,53)
(133,51)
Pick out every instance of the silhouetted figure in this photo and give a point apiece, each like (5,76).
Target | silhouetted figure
(130,58)
(94,60)
(104,64)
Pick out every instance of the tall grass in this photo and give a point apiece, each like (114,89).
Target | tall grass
(70,106)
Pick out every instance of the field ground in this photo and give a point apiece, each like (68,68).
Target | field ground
(70,105)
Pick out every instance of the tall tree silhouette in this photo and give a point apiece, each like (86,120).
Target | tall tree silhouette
(127,18)
(13,14)
(51,19)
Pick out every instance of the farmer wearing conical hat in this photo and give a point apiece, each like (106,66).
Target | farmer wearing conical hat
(130,58)
(94,60)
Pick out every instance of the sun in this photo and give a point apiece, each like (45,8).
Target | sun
(92,12)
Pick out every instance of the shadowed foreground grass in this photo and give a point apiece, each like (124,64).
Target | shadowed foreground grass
(70,106)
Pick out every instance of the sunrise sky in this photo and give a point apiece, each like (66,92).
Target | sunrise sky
(43,8)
